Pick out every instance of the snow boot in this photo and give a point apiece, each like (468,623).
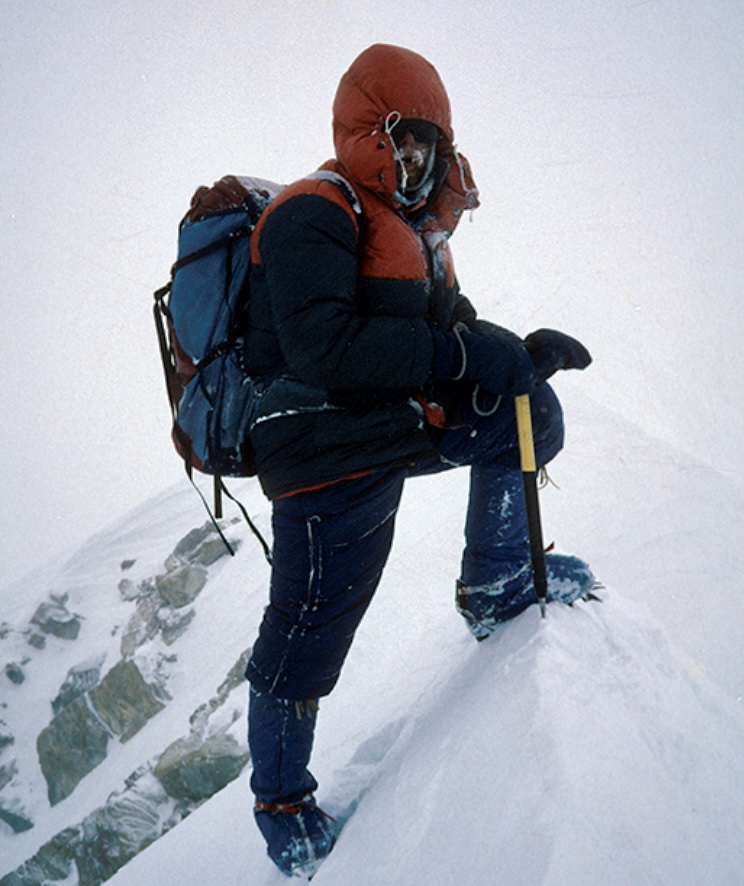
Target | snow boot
(298,835)
(487,605)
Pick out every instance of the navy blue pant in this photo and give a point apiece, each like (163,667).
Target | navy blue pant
(331,545)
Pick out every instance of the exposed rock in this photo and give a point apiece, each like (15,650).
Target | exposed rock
(70,747)
(8,771)
(52,863)
(112,835)
(54,618)
(142,626)
(182,585)
(186,547)
(127,564)
(124,701)
(188,772)
(6,736)
(18,820)
(94,850)
(236,675)
(192,770)
(173,623)
(156,671)
(128,590)
(76,740)
(79,680)
(201,546)
(213,550)
(14,672)
(37,640)
(155,797)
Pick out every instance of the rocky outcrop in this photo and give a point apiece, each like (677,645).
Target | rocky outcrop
(12,813)
(94,850)
(124,701)
(154,799)
(79,680)
(53,617)
(200,547)
(94,708)
(163,603)
(194,769)
(17,820)
(6,736)
(70,747)
(76,740)
(14,672)
(182,585)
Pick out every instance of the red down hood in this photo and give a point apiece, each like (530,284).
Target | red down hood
(386,80)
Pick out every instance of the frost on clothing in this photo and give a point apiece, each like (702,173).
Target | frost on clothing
(328,558)
(359,329)
(331,545)
(485,606)
(298,834)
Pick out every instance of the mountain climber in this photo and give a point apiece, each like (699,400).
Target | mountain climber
(376,369)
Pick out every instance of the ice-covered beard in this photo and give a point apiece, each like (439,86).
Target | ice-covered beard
(414,166)
(415,179)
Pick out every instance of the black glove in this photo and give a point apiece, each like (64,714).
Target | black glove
(551,350)
(497,360)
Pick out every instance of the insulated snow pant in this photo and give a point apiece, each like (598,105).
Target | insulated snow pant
(331,544)
(496,525)
(280,737)
(330,548)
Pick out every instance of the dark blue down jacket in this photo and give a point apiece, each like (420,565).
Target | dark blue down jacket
(343,303)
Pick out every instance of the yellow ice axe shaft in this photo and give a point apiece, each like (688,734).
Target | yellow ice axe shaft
(529,477)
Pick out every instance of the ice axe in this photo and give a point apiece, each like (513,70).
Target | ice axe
(529,477)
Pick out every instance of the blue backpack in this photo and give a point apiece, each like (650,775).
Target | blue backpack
(213,400)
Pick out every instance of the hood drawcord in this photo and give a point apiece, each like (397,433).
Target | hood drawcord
(424,189)
(471,194)
(390,121)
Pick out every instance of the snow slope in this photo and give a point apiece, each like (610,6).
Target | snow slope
(602,745)
(555,754)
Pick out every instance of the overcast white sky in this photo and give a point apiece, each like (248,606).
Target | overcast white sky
(606,138)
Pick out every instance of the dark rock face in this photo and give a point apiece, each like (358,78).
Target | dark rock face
(54,618)
(124,701)
(194,770)
(14,672)
(182,585)
(91,710)
(76,740)
(70,747)
(79,680)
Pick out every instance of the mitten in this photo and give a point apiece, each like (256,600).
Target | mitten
(551,350)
